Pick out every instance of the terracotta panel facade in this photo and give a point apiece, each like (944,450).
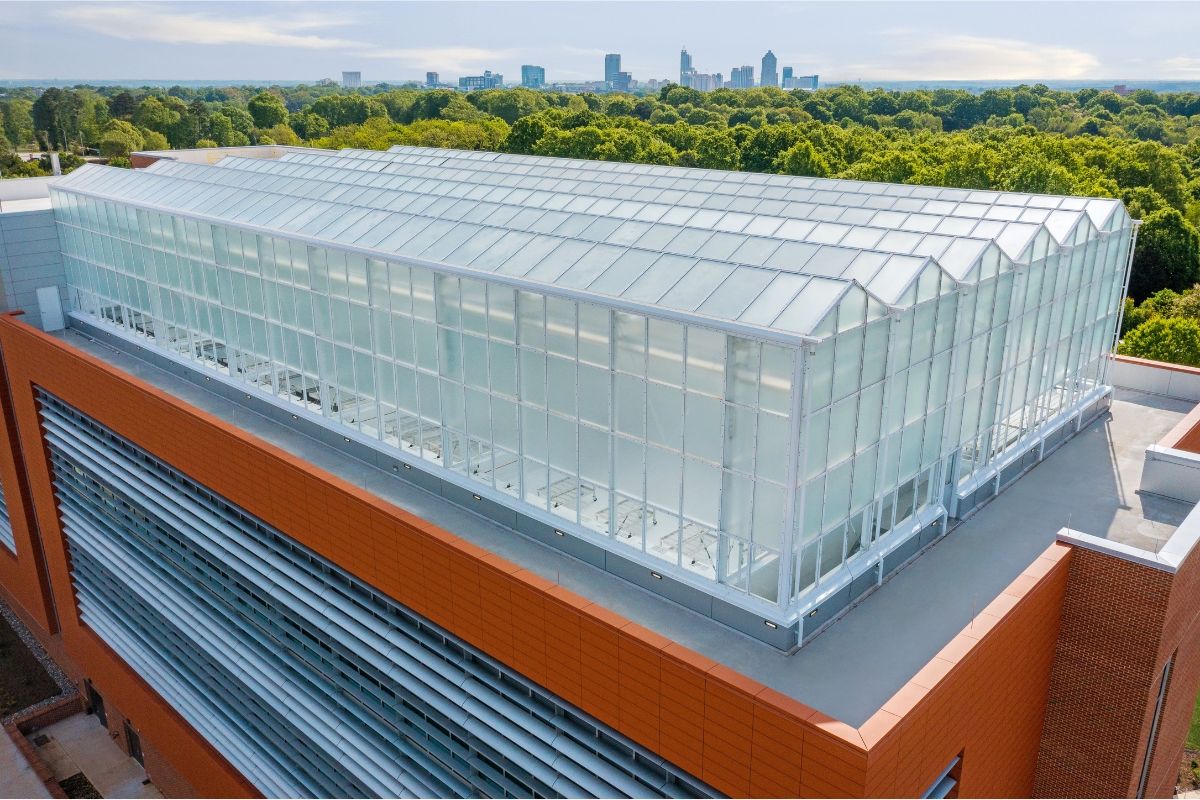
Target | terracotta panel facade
(982,697)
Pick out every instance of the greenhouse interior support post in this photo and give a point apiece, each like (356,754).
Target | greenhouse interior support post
(802,475)
(1008,367)
(955,389)
(796,430)
(889,378)
(1115,336)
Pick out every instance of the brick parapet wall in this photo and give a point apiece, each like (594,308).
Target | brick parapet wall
(740,736)
(1122,622)
(34,759)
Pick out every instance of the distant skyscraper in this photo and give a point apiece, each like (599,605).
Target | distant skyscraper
(742,77)
(351,80)
(431,79)
(685,66)
(769,76)
(787,77)
(533,77)
(612,68)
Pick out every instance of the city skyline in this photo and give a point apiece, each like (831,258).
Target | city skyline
(864,41)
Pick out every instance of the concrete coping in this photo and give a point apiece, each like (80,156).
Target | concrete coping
(1168,559)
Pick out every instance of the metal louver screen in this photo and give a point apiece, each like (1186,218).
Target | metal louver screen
(305,679)
(6,534)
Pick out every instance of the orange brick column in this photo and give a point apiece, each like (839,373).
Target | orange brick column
(1123,621)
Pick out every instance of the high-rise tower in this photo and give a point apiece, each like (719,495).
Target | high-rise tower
(769,76)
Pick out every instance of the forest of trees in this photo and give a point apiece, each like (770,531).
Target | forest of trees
(1143,148)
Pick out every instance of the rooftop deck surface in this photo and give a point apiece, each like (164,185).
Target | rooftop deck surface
(853,668)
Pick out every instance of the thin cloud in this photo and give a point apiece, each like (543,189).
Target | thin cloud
(445,59)
(140,22)
(1182,67)
(151,23)
(963,57)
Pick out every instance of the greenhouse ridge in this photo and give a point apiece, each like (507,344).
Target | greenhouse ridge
(771,390)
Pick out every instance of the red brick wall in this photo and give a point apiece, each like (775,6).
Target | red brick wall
(1181,638)
(982,696)
(1121,623)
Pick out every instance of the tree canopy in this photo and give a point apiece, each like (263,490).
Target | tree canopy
(1143,148)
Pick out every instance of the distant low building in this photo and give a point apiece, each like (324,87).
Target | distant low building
(579,87)
(807,82)
(621,82)
(702,81)
(488,80)
(351,80)
(532,76)
(432,79)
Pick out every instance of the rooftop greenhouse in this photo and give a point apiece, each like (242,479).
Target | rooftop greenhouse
(759,385)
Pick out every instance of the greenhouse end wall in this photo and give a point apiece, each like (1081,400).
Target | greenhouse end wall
(782,478)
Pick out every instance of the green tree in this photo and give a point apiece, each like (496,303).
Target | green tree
(18,121)
(155,115)
(352,109)
(526,133)
(153,140)
(1167,255)
(1034,173)
(122,106)
(717,150)
(1175,340)
(280,134)
(510,105)
(56,118)
(802,159)
(267,110)
(762,149)
(308,125)
(120,138)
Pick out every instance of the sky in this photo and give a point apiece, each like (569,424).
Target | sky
(394,41)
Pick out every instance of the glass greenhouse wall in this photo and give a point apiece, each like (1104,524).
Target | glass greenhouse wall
(756,384)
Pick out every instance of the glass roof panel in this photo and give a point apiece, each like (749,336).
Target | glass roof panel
(659,277)
(810,306)
(628,264)
(498,199)
(732,297)
(772,300)
(695,287)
